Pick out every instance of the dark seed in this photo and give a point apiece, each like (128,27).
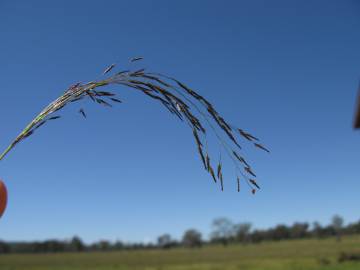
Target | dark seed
(252,181)
(248,169)
(136,59)
(82,112)
(108,69)
(54,117)
(116,100)
(261,147)
(219,170)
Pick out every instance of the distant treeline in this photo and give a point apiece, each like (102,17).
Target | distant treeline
(224,232)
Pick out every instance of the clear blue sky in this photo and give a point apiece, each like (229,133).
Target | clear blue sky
(287,71)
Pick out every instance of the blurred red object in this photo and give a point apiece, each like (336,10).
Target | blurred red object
(357,116)
(3,198)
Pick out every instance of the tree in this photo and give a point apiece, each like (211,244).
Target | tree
(165,241)
(4,247)
(52,246)
(118,245)
(337,223)
(299,230)
(192,238)
(104,245)
(76,244)
(242,232)
(353,228)
(280,232)
(317,230)
(223,231)
(258,235)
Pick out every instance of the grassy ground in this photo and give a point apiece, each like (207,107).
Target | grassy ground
(294,255)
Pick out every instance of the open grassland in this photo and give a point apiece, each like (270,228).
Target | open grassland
(294,255)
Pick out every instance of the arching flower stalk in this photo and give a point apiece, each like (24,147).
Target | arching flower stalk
(180,100)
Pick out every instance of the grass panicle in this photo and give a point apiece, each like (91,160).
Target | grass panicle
(180,100)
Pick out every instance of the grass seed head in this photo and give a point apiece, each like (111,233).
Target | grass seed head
(179,99)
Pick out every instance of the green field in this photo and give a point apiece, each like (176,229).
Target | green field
(295,254)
